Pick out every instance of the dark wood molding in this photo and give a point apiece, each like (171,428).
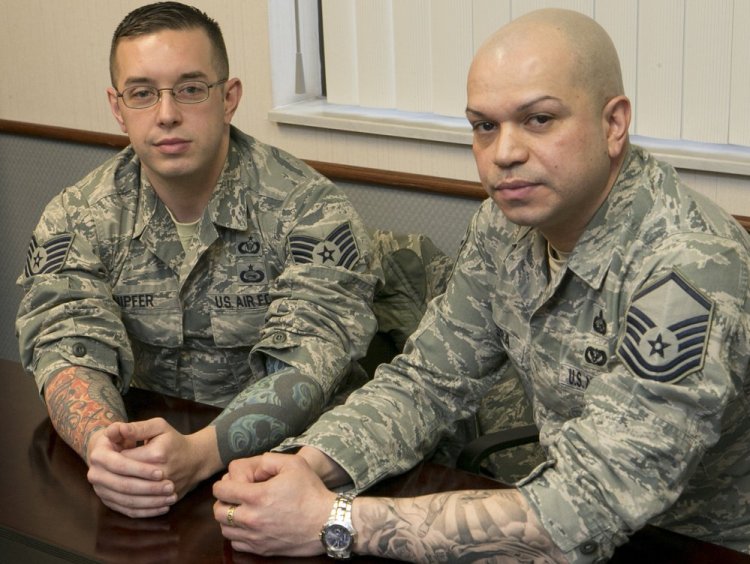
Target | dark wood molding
(744,221)
(63,134)
(345,173)
(406,180)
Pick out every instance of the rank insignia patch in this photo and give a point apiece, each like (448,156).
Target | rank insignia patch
(339,248)
(666,331)
(49,256)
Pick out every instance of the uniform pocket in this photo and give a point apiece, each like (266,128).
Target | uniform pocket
(152,318)
(236,319)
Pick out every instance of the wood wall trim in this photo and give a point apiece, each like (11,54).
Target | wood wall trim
(345,173)
(63,134)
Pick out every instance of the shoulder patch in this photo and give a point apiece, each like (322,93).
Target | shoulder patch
(666,331)
(339,248)
(48,257)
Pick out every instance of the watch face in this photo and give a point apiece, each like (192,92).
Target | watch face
(337,537)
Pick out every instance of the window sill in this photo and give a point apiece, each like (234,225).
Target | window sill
(392,123)
(689,155)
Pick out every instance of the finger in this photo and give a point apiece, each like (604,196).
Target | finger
(232,492)
(220,492)
(154,453)
(273,463)
(110,438)
(129,485)
(243,469)
(119,464)
(128,503)
(242,546)
(142,431)
(227,514)
(137,512)
(114,432)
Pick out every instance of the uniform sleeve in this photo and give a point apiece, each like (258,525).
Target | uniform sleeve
(395,420)
(681,359)
(320,319)
(67,315)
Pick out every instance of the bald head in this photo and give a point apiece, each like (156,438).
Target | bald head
(594,64)
(545,102)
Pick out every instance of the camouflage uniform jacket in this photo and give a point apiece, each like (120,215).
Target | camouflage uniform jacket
(279,267)
(635,358)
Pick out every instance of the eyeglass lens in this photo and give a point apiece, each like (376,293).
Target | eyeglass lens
(191,92)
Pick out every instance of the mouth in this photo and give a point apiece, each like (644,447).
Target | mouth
(514,189)
(172,146)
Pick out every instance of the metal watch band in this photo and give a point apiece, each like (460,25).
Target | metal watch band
(339,522)
(341,512)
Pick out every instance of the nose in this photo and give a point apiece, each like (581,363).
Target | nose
(168,109)
(509,147)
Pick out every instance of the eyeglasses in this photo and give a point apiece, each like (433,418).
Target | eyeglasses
(188,92)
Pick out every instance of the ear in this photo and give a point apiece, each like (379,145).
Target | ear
(616,117)
(232,96)
(114,106)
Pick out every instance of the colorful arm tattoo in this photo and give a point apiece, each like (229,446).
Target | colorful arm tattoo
(278,406)
(81,401)
(464,526)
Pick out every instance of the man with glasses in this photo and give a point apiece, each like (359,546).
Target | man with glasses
(199,263)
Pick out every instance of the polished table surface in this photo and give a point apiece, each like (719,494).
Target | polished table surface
(50,514)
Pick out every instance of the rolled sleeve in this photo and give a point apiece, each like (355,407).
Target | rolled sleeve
(320,320)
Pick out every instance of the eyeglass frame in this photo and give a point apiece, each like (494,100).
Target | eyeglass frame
(171,91)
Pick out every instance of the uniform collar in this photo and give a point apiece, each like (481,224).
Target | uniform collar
(611,226)
(608,229)
(228,204)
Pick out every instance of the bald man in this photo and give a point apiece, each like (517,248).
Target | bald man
(619,296)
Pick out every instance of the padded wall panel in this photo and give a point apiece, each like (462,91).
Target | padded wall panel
(32,171)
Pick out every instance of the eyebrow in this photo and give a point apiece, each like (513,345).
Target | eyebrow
(194,75)
(523,107)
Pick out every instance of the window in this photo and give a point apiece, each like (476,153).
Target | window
(398,68)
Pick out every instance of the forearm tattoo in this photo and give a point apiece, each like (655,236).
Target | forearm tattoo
(464,526)
(276,407)
(81,401)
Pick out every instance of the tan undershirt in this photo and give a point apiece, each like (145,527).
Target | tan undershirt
(185,231)
(557,260)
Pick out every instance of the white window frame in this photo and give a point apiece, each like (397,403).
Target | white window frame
(312,109)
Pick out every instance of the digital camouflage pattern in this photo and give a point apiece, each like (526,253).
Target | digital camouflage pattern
(414,272)
(505,406)
(281,267)
(634,357)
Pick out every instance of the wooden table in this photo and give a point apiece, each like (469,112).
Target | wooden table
(50,514)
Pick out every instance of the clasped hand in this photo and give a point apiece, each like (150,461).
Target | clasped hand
(280,505)
(142,468)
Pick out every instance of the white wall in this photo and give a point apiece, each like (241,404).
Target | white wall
(54,61)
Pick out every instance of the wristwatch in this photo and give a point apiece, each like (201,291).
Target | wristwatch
(338,534)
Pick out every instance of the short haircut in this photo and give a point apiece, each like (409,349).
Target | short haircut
(170,15)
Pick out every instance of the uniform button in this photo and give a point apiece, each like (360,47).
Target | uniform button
(79,349)
(589,547)
(279,337)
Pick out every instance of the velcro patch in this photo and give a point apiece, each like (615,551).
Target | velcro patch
(48,257)
(666,331)
(339,248)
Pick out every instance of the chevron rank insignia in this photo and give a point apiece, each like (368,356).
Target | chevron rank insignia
(48,257)
(666,331)
(339,248)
